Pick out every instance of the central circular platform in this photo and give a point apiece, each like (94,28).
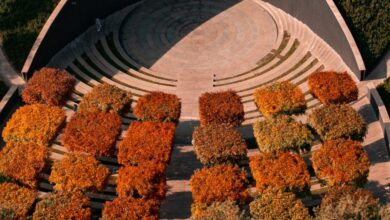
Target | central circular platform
(202,36)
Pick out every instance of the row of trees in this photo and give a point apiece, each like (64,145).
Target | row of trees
(280,172)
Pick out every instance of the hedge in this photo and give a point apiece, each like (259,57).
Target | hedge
(348,203)
(20,23)
(341,162)
(145,181)
(105,98)
(34,124)
(130,208)
(158,107)
(218,143)
(369,22)
(280,98)
(63,206)
(282,133)
(338,121)
(78,171)
(218,184)
(282,171)
(384,92)
(15,201)
(48,86)
(23,162)
(92,132)
(278,205)
(221,108)
(333,87)
(227,210)
(145,141)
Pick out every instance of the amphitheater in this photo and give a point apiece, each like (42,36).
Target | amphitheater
(191,47)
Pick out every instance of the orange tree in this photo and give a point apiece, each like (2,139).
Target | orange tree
(278,205)
(228,210)
(78,171)
(280,98)
(280,171)
(145,141)
(219,183)
(144,181)
(218,143)
(105,98)
(23,162)
(347,202)
(15,201)
(92,132)
(333,87)
(62,206)
(341,162)
(338,121)
(130,208)
(221,107)
(35,123)
(48,86)
(158,107)
(282,133)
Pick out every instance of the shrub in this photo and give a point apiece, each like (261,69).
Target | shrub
(338,121)
(62,206)
(282,133)
(23,162)
(281,171)
(278,205)
(92,132)
(218,143)
(145,181)
(15,201)
(333,87)
(34,124)
(128,208)
(280,98)
(348,203)
(369,24)
(158,107)
(105,98)
(384,92)
(78,171)
(228,210)
(145,141)
(221,108)
(341,161)
(218,184)
(48,86)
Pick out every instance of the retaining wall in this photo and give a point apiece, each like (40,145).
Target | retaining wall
(69,19)
(380,111)
(323,17)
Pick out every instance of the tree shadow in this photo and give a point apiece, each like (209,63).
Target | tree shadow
(176,206)
(162,24)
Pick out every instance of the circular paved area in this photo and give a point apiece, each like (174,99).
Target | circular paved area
(198,37)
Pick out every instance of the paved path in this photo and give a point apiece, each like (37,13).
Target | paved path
(193,40)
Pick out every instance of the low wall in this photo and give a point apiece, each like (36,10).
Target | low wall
(323,17)
(380,111)
(69,20)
